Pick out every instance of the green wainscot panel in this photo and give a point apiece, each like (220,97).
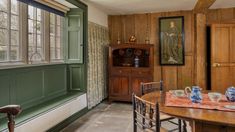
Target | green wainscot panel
(76,75)
(55,81)
(29,87)
(4,89)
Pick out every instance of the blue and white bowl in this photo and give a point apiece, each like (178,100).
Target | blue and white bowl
(230,94)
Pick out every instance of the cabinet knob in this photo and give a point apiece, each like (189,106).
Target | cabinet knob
(120,71)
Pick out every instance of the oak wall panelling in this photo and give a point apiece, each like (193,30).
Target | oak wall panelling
(143,25)
(174,77)
(226,15)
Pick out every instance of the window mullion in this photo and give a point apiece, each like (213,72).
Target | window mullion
(55,37)
(9,30)
(18,37)
(35,29)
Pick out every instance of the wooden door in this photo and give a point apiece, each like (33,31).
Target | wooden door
(222,56)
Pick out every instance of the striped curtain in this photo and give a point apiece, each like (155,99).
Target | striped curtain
(97,63)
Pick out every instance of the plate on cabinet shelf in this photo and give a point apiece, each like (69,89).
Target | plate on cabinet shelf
(126,64)
(129,52)
(121,52)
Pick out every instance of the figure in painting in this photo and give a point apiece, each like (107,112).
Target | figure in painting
(171,43)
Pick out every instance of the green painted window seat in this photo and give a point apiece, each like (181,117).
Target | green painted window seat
(38,110)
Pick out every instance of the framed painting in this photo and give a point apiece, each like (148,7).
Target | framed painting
(171,40)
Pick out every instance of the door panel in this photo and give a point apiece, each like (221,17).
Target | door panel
(220,79)
(222,56)
(221,48)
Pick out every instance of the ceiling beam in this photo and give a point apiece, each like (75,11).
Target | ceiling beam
(203,5)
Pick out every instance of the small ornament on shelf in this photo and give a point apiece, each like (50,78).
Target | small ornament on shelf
(136,61)
(147,40)
(132,39)
(118,39)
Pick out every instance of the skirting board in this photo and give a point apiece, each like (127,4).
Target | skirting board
(55,116)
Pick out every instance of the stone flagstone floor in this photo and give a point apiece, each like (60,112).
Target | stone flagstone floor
(115,117)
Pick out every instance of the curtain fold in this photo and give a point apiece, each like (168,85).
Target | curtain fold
(97,63)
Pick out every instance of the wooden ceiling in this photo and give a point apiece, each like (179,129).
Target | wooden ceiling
(114,7)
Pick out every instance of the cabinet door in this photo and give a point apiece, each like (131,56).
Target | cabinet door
(136,84)
(119,85)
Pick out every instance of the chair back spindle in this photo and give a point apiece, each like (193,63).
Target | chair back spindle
(145,115)
(148,87)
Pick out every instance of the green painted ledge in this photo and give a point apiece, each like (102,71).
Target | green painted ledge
(40,109)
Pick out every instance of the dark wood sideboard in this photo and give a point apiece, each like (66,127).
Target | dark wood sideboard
(129,65)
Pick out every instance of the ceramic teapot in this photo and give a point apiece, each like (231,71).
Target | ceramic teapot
(230,94)
(194,94)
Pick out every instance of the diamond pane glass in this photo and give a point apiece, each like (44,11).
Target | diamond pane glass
(14,22)
(58,31)
(31,38)
(38,14)
(14,6)
(38,27)
(39,44)
(3,5)
(3,53)
(58,44)
(59,53)
(3,37)
(3,19)
(14,54)
(30,12)
(52,53)
(52,41)
(52,29)
(52,18)
(30,26)
(58,19)
(14,38)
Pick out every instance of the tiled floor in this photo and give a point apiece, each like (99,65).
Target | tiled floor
(116,117)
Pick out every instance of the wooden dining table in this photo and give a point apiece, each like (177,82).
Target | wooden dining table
(200,120)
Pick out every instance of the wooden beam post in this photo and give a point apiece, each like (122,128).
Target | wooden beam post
(203,5)
(200,41)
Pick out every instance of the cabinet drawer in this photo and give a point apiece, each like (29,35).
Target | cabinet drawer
(120,72)
(140,72)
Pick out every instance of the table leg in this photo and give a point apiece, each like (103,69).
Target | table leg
(184,126)
(179,125)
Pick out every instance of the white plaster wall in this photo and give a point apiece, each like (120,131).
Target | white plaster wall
(53,117)
(96,15)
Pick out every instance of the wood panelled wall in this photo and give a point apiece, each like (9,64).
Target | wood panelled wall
(226,15)
(174,77)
